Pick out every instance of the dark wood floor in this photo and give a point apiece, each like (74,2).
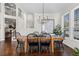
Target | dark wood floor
(9,49)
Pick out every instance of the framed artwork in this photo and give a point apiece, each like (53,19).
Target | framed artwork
(30,21)
(66,24)
(76,24)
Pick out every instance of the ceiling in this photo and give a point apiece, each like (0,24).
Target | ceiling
(48,7)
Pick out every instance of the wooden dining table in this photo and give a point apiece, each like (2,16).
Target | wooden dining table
(24,38)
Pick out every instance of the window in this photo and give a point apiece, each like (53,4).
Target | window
(66,24)
(76,24)
(0,7)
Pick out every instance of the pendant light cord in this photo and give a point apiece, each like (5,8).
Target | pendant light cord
(43,10)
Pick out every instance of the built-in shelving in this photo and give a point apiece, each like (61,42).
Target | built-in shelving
(9,12)
(10,19)
(10,9)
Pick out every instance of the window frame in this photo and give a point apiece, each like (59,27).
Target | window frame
(66,31)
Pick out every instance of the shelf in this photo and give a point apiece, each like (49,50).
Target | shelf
(10,9)
(11,5)
(9,16)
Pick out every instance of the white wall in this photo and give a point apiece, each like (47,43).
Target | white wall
(37,19)
(21,24)
(57,17)
(30,17)
(2,33)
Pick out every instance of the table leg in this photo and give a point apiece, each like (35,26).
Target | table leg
(25,47)
(52,44)
(39,45)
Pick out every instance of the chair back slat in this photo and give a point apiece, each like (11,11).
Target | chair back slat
(46,37)
(32,37)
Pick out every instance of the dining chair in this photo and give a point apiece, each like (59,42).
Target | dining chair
(20,43)
(45,42)
(33,44)
(59,43)
(35,32)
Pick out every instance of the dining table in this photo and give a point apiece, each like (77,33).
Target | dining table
(24,38)
(53,39)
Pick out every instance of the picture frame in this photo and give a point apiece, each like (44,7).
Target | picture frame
(30,21)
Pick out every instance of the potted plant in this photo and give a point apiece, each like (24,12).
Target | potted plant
(57,30)
(76,52)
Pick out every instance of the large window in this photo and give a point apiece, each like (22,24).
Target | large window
(76,24)
(0,7)
(66,24)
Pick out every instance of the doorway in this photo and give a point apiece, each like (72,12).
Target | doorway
(10,29)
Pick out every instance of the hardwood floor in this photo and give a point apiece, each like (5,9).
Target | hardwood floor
(9,49)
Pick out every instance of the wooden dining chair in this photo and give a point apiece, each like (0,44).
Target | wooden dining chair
(59,43)
(37,33)
(33,44)
(45,42)
(20,43)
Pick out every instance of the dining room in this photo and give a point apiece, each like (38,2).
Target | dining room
(42,29)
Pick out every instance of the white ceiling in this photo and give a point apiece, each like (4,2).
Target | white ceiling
(48,7)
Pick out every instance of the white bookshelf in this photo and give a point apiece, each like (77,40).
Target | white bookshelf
(7,10)
(10,9)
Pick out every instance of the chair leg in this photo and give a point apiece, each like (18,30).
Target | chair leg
(62,46)
(31,50)
(50,50)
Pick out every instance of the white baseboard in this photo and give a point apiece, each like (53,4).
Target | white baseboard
(72,43)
